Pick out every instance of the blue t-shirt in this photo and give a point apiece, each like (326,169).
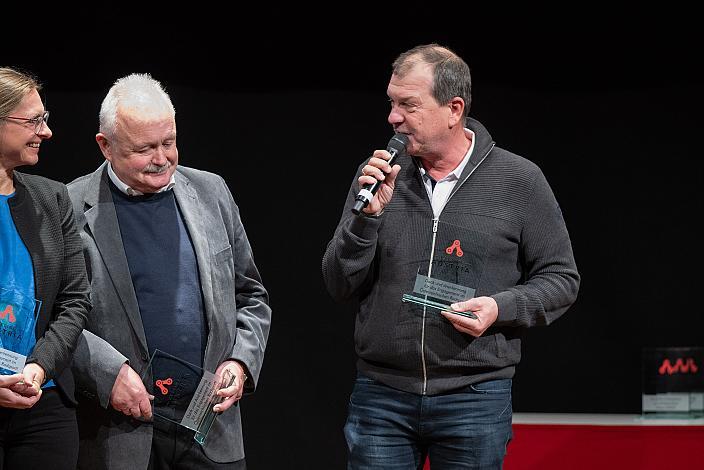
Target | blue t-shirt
(17,303)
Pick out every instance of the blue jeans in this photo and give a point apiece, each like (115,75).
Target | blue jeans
(390,429)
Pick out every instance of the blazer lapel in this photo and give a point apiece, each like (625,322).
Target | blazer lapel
(102,221)
(189,205)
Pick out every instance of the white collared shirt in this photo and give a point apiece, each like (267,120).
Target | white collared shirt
(438,196)
(133,192)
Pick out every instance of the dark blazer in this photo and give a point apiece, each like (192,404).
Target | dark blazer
(43,215)
(236,309)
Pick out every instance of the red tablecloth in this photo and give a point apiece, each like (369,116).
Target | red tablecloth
(603,442)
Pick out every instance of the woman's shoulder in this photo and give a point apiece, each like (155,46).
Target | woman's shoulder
(36,181)
(41,187)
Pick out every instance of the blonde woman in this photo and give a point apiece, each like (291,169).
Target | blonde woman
(43,291)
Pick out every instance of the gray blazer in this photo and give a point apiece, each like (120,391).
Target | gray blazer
(236,308)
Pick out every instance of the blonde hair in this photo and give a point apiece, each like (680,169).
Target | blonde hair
(14,86)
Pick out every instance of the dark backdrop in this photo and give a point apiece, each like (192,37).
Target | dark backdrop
(608,106)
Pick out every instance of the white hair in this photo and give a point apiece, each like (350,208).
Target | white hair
(138,94)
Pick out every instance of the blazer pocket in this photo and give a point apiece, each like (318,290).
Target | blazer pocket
(223,255)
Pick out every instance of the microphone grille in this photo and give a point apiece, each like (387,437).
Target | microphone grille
(398,142)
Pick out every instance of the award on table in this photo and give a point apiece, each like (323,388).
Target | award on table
(18,317)
(452,270)
(184,393)
(673,382)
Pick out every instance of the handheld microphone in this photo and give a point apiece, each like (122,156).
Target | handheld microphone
(396,147)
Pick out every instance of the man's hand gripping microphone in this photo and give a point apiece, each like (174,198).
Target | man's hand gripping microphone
(396,147)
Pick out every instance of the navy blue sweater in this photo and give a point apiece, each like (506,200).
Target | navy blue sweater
(164,273)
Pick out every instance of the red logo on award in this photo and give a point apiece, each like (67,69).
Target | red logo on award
(8,313)
(681,366)
(161,384)
(455,246)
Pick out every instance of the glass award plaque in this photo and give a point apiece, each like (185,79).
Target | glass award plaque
(184,393)
(429,292)
(452,271)
(673,382)
(18,317)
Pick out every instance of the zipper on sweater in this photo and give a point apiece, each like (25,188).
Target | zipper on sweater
(436,220)
(425,309)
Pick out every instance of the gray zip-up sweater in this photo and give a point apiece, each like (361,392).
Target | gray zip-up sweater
(514,248)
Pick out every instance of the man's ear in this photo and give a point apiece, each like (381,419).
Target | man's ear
(456,106)
(104,145)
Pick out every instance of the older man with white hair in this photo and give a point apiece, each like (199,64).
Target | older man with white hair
(172,271)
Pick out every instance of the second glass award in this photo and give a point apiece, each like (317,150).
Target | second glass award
(184,393)
(452,270)
(18,317)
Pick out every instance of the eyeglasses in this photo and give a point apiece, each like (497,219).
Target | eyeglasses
(36,121)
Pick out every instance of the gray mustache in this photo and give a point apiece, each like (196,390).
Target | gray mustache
(151,168)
